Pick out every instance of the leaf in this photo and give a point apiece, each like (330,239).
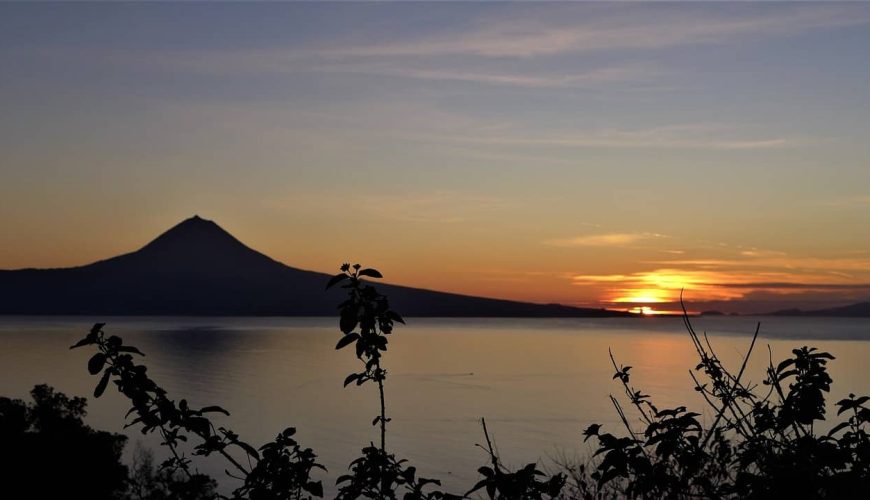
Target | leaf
(216,409)
(199,425)
(590,431)
(350,378)
(838,427)
(129,348)
(338,278)
(346,340)
(96,328)
(480,484)
(101,385)
(315,488)
(845,404)
(348,319)
(783,365)
(395,317)
(96,363)
(374,273)
(85,341)
(248,449)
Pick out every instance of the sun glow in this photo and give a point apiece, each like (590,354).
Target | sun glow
(648,311)
(665,286)
(643,296)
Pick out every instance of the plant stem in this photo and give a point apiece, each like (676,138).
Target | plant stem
(383,417)
(178,459)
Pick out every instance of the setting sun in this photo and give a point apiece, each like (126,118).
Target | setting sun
(643,296)
(649,311)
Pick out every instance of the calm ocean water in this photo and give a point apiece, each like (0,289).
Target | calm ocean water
(538,382)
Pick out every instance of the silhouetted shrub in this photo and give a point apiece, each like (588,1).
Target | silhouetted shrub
(366,320)
(280,469)
(146,482)
(762,443)
(46,451)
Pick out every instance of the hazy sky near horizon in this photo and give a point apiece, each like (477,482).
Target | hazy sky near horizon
(596,154)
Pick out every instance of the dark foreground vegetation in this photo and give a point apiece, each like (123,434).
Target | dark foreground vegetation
(763,440)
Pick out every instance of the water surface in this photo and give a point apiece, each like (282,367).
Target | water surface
(538,382)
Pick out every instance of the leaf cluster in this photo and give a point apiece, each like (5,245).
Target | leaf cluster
(762,442)
(277,470)
(365,321)
(527,482)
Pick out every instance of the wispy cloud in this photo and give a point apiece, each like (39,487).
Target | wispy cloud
(580,29)
(603,240)
(682,136)
(804,264)
(516,78)
(795,286)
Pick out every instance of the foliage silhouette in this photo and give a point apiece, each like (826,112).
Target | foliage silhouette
(147,483)
(762,442)
(377,473)
(501,483)
(279,469)
(48,452)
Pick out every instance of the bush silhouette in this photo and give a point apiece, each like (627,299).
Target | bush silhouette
(278,470)
(762,443)
(48,452)
(147,482)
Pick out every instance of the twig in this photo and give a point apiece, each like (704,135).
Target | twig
(728,400)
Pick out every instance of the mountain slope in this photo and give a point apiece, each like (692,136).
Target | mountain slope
(197,268)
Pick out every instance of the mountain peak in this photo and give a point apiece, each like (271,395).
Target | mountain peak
(194,234)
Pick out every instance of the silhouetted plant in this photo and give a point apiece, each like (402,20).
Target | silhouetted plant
(761,444)
(525,483)
(145,482)
(377,473)
(370,311)
(365,321)
(46,450)
(278,470)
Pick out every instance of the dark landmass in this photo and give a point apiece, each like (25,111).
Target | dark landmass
(859,310)
(712,313)
(197,268)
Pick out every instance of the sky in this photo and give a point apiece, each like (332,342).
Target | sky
(595,154)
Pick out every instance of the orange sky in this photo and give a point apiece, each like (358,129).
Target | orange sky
(597,154)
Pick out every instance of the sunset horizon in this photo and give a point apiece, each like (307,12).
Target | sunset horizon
(598,155)
(650,293)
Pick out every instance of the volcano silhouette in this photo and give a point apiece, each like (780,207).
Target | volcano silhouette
(197,268)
